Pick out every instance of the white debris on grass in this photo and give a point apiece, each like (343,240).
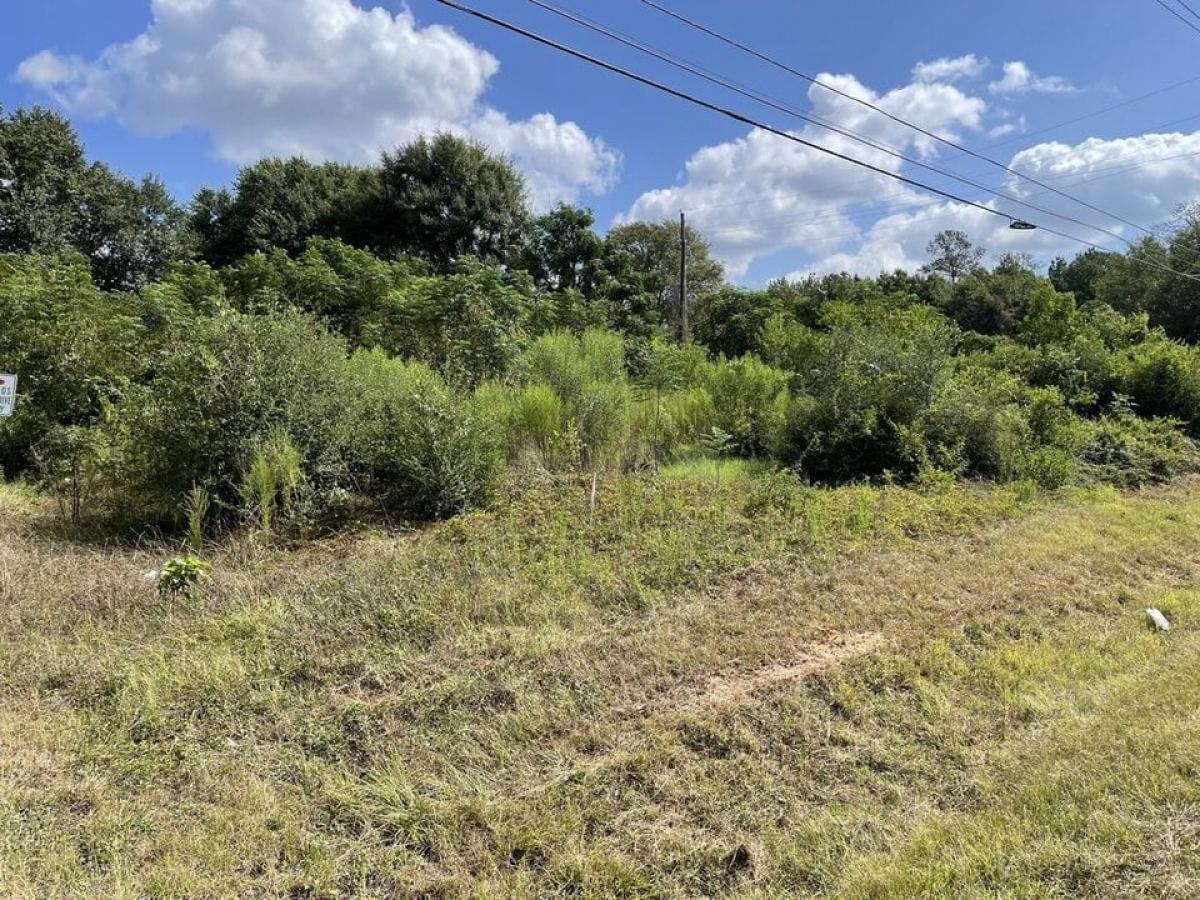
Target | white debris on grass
(1159,620)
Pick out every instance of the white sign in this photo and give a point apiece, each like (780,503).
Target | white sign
(8,394)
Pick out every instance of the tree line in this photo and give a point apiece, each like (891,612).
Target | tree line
(323,341)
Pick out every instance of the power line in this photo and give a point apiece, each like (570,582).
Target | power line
(754,123)
(1094,113)
(820,123)
(713,107)
(1190,8)
(1180,16)
(1087,176)
(692,23)
(855,210)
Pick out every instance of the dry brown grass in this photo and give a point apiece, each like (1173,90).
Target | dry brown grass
(701,694)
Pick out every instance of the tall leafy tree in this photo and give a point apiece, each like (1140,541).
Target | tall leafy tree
(1177,308)
(52,200)
(130,231)
(281,203)
(42,174)
(562,251)
(953,255)
(731,320)
(442,198)
(1137,280)
(653,249)
(993,302)
(1080,275)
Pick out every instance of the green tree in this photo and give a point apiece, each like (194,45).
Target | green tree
(562,251)
(278,203)
(470,325)
(52,200)
(1080,275)
(42,170)
(730,321)
(74,349)
(993,302)
(444,198)
(1135,281)
(1176,307)
(130,231)
(350,289)
(953,255)
(653,249)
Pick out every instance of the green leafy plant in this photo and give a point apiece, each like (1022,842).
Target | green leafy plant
(71,465)
(179,576)
(196,506)
(720,444)
(272,480)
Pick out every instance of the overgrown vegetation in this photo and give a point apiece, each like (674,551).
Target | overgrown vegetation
(718,610)
(732,685)
(401,367)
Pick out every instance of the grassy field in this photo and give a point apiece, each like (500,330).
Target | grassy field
(719,683)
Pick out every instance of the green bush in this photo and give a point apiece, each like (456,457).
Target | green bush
(1129,451)
(687,416)
(224,385)
(789,345)
(989,423)
(410,442)
(878,372)
(750,402)
(272,481)
(75,350)
(594,397)
(73,464)
(470,325)
(1162,379)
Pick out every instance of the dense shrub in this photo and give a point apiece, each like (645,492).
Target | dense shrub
(1130,451)
(878,373)
(75,350)
(991,424)
(789,345)
(351,290)
(471,325)
(411,442)
(749,404)
(225,384)
(587,375)
(1162,378)
(686,417)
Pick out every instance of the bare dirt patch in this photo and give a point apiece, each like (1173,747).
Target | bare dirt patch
(729,690)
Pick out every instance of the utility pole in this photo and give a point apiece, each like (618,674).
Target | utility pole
(683,310)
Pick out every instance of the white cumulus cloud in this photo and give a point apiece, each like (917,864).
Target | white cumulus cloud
(760,197)
(1020,79)
(950,69)
(760,193)
(1139,179)
(325,79)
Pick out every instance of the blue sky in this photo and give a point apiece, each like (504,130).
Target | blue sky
(189,89)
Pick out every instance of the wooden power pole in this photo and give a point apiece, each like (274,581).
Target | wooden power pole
(683,306)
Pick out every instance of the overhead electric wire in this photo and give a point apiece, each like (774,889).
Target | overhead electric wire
(712,107)
(885,208)
(758,54)
(1068,179)
(1190,9)
(1025,135)
(754,123)
(768,101)
(1084,180)
(1180,16)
